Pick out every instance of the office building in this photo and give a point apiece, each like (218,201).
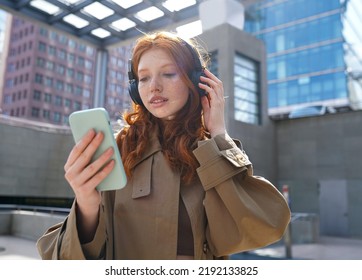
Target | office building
(313,52)
(49,75)
(3,47)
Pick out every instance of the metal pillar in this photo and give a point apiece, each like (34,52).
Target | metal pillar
(288,232)
(100,78)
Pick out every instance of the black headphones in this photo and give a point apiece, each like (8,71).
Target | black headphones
(194,76)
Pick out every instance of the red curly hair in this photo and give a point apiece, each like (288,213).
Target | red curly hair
(179,136)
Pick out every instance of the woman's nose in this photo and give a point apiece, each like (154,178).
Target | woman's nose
(155,84)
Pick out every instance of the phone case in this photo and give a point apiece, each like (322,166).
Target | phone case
(80,123)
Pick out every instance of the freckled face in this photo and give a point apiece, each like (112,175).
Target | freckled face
(161,88)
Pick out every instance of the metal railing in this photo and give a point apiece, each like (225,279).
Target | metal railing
(34,209)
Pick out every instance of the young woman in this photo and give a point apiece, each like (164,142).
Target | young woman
(191,192)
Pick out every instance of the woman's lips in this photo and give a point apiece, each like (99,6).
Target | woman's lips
(158,100)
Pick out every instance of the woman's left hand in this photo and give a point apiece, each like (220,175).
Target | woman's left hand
(213,103)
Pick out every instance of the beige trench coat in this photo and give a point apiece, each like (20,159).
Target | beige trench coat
(230,210)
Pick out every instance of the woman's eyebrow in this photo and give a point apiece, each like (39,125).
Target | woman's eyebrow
(140,70)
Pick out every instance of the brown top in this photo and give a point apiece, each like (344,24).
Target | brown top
(185,240)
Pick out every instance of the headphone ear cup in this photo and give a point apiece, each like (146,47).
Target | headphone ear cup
(195,78)
(133,85)
(133,92)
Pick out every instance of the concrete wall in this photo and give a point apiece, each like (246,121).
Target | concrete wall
(32,156)
(323,149)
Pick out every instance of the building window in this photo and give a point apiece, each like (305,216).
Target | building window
(38,78)
(57,117)
(43,32)
(67,103)
(11,67)
(87,79)
(7,99)
(60,69)
(80,61)
(63,40)
(71,58)
(49,65)
(35,112)
(46,114)
(246,90)
(120,76)
(88,64)
(80,76)
(111,87)
(52,50)
(120,62)
(40,62)
(42,47)
(47,98)
(82,48)
(48,81)
(69,88)
(66,120)
(77,105)
(70,72)
(86,93)
(58,100)
(90,51)
(72,44)
(62,54)
(110,100)
(78,90)
(53,35)
(59,85)
(37,95)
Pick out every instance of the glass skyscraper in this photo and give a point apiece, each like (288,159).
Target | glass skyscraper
(314,52)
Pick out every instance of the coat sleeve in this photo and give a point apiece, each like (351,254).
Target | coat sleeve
(61,242)
(244,211)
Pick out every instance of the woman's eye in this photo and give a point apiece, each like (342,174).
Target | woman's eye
(170,74)
(143,79)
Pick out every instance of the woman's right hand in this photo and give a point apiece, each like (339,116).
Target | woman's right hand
(84,176)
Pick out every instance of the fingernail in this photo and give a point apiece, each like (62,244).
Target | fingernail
(91,132)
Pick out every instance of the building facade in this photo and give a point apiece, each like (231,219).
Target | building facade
(3,47)
(313,52)
(48,75)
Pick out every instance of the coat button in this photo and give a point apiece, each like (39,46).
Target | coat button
(205,248)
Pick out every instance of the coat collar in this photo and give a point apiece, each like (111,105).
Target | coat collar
(153,146)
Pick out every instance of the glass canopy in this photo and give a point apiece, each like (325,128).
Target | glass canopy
(106,22)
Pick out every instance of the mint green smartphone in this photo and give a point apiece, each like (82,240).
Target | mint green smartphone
(80,123)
